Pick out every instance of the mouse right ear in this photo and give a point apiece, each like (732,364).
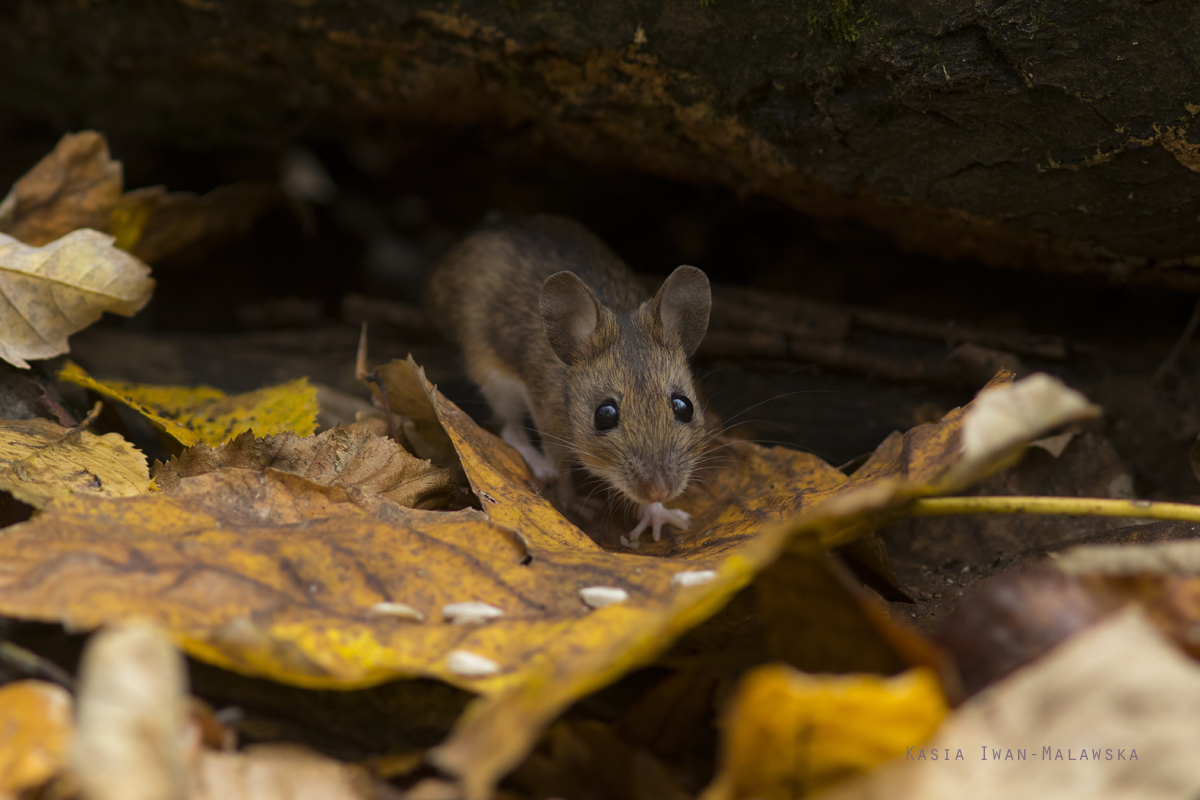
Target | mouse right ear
(570,315)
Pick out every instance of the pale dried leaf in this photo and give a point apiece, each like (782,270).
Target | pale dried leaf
(1112,714)
(134,740)
(48,293)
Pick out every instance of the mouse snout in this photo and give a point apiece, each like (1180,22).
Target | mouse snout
(654,488)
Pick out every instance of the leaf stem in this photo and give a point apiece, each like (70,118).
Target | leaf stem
(1071,506)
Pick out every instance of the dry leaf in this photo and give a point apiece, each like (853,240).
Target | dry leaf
(334,458)
(40,461)
(495,733)
(787,734)
(47,293)
(281,772)
(134,739)
(1114,713)
(78,185)
(203,414)
(35,730)
(271,574)
(75,186)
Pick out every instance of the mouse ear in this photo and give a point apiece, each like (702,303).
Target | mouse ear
(682,305)
(570,314)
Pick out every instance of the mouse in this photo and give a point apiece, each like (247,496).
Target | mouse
(554,327)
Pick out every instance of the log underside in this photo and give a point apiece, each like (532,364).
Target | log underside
(1039,133)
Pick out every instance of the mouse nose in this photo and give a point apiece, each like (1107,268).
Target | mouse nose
(655,489)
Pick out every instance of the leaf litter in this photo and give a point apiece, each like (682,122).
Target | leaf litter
(345,559)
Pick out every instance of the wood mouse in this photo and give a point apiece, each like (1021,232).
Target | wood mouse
(552,324)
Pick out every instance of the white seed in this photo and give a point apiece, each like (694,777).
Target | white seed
(601,596)
(402,610)
(466,613)
(693,578)
(471,665)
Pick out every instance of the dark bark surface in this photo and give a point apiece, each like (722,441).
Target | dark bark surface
(1051,133)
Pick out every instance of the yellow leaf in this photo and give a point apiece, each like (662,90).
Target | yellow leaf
(204,414)
(495,733)
(35,730)
(47,293)
(787,734)
(41,460)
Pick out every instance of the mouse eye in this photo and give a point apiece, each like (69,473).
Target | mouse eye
(682,408)
(607,416)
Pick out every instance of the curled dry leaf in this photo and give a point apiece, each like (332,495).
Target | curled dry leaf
(40,460)
(805,505)
(47,293)
(192,415)
(35,730)
(334,458)
(787,734)
(134,739)
(1116,709)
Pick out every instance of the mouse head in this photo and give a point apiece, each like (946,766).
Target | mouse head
(632,415)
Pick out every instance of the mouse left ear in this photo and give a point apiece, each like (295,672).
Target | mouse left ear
(570,315)
(682,305)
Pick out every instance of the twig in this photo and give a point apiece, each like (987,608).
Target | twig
(30,663)
(1069,506)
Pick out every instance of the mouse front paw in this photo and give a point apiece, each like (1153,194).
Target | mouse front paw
(541,467)
(654,516)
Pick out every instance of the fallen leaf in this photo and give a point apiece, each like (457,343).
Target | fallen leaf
(47,293)
(35,731)
(40,460)
(134,740)
(75,186)
(192,415)
(156,225)
(495,733)
(333,458)
(1113,713)
(282,772)
(78,185)
(787,734)
(271,574)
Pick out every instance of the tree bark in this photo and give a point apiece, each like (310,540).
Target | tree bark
(1050,133)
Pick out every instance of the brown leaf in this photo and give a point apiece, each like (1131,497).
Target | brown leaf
(333,458)
(75,186)
(79,185)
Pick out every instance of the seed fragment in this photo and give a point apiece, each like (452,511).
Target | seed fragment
(467,613)
(471,665)
(696,577)
(401,610)
(601,596)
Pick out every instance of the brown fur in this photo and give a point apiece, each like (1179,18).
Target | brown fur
(485,294)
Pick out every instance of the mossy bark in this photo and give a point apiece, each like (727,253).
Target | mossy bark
(1043,132)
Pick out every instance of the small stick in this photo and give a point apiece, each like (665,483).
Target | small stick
(1069,506)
